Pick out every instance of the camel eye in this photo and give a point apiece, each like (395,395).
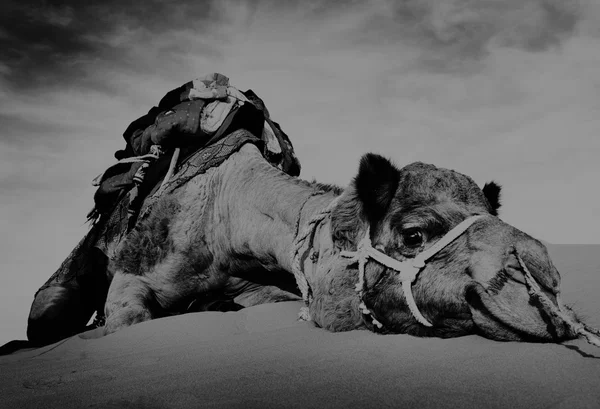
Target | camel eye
(412,238)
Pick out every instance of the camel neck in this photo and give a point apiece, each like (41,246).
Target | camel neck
(315,202)
(265,209)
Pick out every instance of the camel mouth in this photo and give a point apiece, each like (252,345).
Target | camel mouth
(518,304)
(495,316)
(525,310)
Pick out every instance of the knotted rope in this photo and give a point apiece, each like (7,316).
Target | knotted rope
(588,333)
(300,240)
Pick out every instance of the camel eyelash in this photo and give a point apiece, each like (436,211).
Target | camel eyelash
(430,227)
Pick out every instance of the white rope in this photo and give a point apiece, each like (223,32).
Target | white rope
(448,238)
(155,153)
(408,269)
(171,170)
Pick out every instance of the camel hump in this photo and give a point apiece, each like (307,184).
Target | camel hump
(189,118)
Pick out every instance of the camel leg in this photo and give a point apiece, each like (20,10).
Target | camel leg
(128,302)
(57,312)
(264,294)
(65,303)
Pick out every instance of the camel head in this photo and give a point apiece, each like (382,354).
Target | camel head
(479,283)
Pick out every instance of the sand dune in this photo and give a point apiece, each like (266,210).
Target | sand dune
(262,357)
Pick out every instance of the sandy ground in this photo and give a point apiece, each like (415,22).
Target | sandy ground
(262,357)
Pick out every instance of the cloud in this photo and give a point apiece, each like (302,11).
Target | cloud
(433,80)
(50,43)
(454,35)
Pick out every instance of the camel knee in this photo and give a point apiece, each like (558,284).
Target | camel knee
(126,317)
(129,301)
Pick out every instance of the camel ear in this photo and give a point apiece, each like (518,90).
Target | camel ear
(365,201)
(491,191)
(376,185)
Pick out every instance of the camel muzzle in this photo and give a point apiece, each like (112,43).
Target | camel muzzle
(558,311)
(522,301)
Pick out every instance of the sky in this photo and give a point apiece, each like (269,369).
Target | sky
(504,90)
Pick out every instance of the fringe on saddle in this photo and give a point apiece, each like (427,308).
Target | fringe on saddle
(187,119)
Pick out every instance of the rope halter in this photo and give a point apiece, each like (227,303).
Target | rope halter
(409,269)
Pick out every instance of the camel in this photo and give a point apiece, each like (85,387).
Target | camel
(418,250)
(240,224)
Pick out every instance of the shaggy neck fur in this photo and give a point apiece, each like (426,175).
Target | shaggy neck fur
(266,225)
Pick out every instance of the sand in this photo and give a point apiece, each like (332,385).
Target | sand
(262,357)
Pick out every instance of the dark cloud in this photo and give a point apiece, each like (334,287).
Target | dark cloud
(55,42)
(51,42)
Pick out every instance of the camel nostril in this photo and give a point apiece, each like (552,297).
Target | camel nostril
(512,267)
(515,274)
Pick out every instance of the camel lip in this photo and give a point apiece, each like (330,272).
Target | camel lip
(489,317)
(515,274)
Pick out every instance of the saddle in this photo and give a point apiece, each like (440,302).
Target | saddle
(188,119)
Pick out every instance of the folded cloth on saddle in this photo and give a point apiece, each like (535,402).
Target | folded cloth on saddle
(215,113)
(179,122)
(200,91)
(115,179)
(195,115)
(189,120)
(211,86)
(172,127)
